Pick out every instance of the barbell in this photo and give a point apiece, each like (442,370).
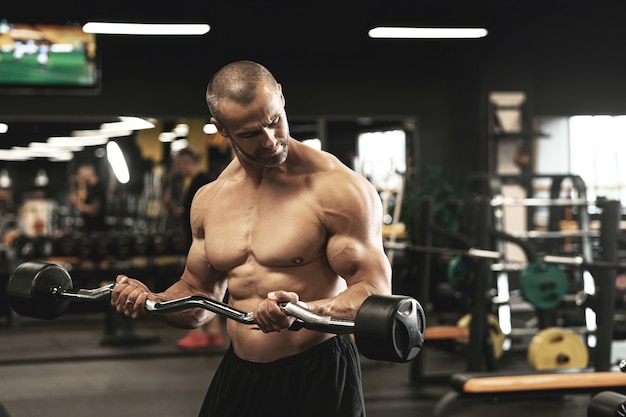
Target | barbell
(542,281)
(386,327)
(487,254)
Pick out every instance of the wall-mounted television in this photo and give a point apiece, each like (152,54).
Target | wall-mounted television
(48,59)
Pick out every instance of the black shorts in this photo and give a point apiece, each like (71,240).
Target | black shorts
(324,381)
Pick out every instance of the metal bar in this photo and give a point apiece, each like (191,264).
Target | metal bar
(472,252)
(575,261)
(307,318)
(579,261)
(605,282)
(555,234)
(314,321)
(538,202)
(97,294)
(196,301)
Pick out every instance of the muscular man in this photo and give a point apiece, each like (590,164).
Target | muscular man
(283,222)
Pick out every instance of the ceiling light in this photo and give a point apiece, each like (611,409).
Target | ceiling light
(41,179)
(209,129)
(178,144)
(36,151)
(181,130)
(4,128)
(426,33)
(105,134)
(127,123)
(145,28)
(14,155)
(167,137)
(116,158)
(81,139)
(5,179)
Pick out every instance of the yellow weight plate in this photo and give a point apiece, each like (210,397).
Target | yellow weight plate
(497,336)
(557,348)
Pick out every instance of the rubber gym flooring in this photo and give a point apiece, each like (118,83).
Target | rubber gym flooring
(63,368)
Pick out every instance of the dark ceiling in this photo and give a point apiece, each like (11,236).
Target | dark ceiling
(334,32)
(324,29)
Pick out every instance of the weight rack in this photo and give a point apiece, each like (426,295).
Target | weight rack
(606,239)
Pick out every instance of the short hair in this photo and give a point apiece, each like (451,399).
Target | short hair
(238,82)
(188,152)
(86,165)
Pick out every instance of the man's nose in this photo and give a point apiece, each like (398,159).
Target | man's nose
(268,141)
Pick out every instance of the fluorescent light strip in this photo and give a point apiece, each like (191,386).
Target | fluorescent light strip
(426,33)
(116,158)
(145,28)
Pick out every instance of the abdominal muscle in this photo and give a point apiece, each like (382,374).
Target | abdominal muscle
(312,281)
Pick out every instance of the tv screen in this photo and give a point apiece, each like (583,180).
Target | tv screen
(47,59)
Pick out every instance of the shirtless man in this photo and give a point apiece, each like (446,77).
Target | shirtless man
(283,222)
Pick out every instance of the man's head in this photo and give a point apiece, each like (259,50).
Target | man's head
(186,162)
(86,173)
(247,106)
(237,82)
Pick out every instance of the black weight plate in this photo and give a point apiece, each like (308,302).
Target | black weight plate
(30,290)
(390,328)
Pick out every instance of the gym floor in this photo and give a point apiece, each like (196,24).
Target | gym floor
(62,368)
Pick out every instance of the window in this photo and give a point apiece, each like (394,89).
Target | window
(598,154)
(381,158)
(593,147)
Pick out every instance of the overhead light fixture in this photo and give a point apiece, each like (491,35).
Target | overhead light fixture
(4,128)
(116,159)
(5,179)
(181,130)
(167,137)
(15,155)
(209,129)
(127,123)
(384,32)
(41,179)
(178,144)
(145,28)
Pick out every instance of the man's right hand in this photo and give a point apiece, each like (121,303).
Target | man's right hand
(129,297)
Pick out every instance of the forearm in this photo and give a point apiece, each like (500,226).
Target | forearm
(347,303)
(88,209)
(189,318)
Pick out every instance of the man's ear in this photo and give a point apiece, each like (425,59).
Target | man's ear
(220,129)
(280,91)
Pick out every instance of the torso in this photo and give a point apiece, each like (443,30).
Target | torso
(270,236)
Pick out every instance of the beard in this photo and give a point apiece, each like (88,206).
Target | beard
(258,158)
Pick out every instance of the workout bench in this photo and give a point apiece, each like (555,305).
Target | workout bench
(479,386)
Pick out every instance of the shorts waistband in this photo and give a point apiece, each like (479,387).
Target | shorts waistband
(332,344)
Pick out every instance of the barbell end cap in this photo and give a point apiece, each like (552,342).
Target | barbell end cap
(30,289)
(390,328)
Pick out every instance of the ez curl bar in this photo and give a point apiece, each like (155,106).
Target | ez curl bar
(387,327)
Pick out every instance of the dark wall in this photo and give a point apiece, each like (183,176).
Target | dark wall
(567,56)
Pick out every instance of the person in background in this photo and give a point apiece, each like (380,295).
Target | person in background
(283,222)
(187,165)
(88,197)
